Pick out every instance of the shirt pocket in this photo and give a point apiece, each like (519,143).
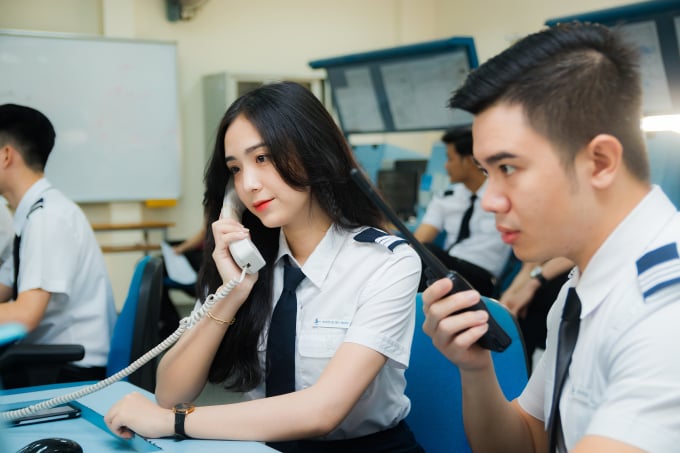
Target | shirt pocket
(578,408)
(320,342)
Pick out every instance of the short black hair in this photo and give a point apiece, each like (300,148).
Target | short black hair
(573,82)
(29,131)
(461,138)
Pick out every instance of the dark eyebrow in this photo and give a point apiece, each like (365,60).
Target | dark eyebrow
(491,160)
(248,150)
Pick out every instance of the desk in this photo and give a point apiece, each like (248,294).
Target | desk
(145,227)
(90,437)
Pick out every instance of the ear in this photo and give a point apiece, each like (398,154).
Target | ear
(5,156)
(605,155)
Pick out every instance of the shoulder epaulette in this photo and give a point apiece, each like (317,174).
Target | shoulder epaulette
(37,205)
(658,269)
(379,237)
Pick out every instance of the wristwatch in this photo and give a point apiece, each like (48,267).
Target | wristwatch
(537,273)
(181,411)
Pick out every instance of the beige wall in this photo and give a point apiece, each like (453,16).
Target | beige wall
(272,37)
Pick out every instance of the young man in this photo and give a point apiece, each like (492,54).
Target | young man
(60,290)
(6,233)
(557,129)
(472,246)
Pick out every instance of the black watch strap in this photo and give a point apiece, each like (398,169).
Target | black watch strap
(537,273)
(181,411)
(180,434)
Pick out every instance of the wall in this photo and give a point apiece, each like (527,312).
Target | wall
(270,36)
(495,24)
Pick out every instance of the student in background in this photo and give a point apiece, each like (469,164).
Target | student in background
(61,290)
(557,129)
(530,296)
(472,247)
(192,248)
(354,321)
(6,233)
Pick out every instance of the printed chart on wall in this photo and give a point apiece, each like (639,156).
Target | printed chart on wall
(114,106)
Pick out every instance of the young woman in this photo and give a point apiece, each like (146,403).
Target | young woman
(290,167)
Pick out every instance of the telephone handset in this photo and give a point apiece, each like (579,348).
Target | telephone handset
(248,259)
(495,339)
(244,252)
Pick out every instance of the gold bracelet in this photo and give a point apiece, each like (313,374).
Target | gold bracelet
(221,321)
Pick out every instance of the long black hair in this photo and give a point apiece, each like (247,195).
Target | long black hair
(309,151)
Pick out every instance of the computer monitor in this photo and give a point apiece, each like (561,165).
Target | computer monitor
(400,189)
(417,165)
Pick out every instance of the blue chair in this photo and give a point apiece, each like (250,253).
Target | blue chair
(433,383)
(137,327)
(512,267)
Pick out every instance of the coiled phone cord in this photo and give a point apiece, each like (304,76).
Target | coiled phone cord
(185,324)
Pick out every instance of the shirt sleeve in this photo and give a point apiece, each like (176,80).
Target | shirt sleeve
(385,317)
(640,405)
(7,273)
(50,253)
(434,214)
(531,398)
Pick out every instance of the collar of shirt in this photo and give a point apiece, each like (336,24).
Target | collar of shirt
(463,193)
(31,196)
(630,238)
(319,263)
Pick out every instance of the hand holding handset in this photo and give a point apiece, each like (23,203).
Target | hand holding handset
(246,256)
(244,251)
(495,339)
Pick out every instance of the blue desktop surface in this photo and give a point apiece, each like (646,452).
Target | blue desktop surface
(87,429)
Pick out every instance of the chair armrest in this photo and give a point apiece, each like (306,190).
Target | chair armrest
(22,354)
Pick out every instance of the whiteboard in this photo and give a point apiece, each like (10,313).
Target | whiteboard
(113,104)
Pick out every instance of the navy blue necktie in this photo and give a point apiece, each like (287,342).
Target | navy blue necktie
(281,338)
(15,255)
(568,334)
(464,231)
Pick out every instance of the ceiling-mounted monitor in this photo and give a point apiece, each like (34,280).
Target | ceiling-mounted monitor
(399,89)
(654,27)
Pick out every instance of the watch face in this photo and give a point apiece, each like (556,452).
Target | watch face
(185,408)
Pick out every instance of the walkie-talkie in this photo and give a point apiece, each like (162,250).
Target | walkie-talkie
(495,339)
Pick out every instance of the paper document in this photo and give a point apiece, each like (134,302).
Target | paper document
(178,266)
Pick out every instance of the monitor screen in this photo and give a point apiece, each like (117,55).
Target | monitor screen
(402,88)
(400,190)
(654,29)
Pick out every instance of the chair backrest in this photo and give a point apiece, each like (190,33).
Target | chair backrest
(508,274)
(137,327)
(433,384)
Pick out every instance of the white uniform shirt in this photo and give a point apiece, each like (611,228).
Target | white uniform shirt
(6,233)
(60,254)
(624,378)
(361,293)
(484,247)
